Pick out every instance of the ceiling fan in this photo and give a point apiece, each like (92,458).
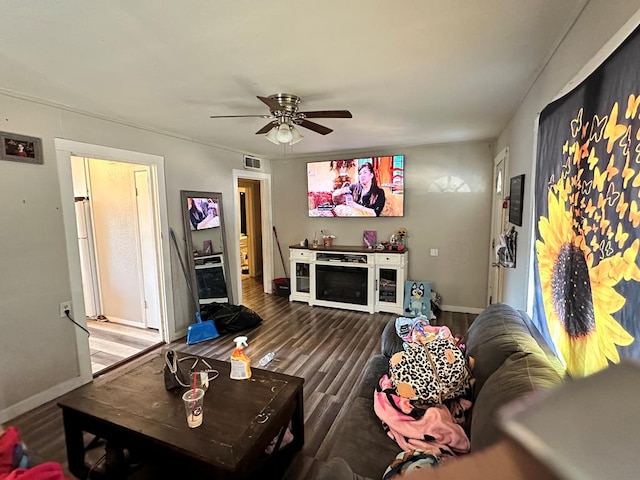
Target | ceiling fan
(284,117)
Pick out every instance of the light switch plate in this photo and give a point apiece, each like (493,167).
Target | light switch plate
(433,252)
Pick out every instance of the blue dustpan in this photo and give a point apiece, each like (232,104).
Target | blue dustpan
(201,331)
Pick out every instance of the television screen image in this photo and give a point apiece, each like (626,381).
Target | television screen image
(359,187)
(203,213)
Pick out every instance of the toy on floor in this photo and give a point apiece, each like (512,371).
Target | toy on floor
(418,303)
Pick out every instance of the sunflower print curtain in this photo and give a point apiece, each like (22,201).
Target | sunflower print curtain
(587,218)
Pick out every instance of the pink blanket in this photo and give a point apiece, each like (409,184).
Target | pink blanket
(432,429)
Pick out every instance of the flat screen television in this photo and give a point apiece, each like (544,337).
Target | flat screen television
(203,213)
(357,187)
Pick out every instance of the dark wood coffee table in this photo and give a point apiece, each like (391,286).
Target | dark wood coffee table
(134,411)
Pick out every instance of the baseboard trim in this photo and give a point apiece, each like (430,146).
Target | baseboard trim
(454,308)
(41,398)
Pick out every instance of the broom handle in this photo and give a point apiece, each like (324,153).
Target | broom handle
(280,250)
(184,270)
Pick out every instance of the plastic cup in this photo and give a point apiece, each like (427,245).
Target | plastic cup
(200,380)
(193,402)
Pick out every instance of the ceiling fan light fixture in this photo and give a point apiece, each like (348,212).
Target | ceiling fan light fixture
(284,117)
(295,136)
(284,134)
(272,136)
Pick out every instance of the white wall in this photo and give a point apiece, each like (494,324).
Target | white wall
(598,23)
(37,347)
(457,224)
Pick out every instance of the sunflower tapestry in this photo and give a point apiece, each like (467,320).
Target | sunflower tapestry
(587,217)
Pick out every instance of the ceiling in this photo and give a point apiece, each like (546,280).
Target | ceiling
(414,72)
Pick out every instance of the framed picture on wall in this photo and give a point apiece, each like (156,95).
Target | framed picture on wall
(20,148)
(516,198)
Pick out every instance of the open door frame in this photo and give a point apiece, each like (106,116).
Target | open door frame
(498,222)
(266,209)
(64,149)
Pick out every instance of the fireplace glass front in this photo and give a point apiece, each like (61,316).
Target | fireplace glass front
(342,284)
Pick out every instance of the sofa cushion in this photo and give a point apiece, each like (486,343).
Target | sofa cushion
(497,333)
(337,469)
(361,440)
(520,374)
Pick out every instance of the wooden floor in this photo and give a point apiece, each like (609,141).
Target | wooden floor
(329,348)
(111,343)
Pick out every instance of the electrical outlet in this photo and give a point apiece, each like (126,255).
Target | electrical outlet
(64,306)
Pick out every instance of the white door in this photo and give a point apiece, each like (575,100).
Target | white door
(498,218)
(148,251)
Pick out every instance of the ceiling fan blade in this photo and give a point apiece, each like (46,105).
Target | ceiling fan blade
(321,129)
(240,116)
(271,103)
(265,129)
(327,114)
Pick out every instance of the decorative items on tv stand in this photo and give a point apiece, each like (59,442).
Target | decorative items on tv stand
(349,277)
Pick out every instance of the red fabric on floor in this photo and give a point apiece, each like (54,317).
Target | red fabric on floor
(44,471)
(8,440)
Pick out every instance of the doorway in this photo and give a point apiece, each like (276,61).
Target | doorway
(253,218)
(142,219)
(120,277)
(250,221)
(498,221)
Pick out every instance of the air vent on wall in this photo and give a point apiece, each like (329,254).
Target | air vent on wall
(252,163)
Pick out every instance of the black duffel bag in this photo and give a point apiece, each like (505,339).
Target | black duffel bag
(230,318)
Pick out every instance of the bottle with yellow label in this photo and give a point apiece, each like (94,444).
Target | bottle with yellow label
(240,363)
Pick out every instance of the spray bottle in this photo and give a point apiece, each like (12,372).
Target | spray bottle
(240,363)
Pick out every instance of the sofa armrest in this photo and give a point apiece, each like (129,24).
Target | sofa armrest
(390,342)
(519,375)
(496,334)
(377,366)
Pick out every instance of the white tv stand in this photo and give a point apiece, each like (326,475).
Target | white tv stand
(354,278)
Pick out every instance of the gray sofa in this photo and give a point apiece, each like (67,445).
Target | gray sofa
(511,359)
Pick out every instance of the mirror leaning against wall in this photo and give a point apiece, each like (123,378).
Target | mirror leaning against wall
(207,257)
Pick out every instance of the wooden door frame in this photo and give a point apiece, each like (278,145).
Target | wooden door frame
(64,149)
(266,209)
